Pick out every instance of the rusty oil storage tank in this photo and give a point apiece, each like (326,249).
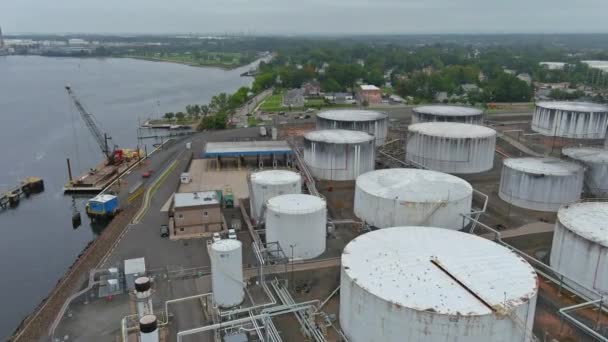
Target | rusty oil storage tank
(429,284)
(447,113)
(595,161)
(580,247)
(370,121)
(270,183)
(542,184)
(577,120)
(339,155)
(451,147)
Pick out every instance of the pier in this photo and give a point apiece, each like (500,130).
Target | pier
(26,187)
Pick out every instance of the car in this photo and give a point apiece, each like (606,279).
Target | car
(310,110)
(164,230)
(147,174)
(232,234)
(306,116)
(216,237)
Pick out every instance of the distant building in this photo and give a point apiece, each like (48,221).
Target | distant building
(526,78)
(294,98)
(77,41)
(195,214)
(369,93)
(481,77)
(340,98)
(509,71)
(469,87)
(559,85)
(553,65)
(312,88)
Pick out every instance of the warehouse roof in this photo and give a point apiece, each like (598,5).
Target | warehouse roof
(439,271)
(244,148)
(446,110)
(352,115)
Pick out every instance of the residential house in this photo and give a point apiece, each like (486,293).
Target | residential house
(369,93)
(312,88)
(526,78)
(294,98)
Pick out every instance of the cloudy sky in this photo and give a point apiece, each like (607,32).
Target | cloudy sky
(303,16)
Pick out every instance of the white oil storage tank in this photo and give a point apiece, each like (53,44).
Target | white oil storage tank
(370,121)
(227,272)
(580,247)
(428,284)
(339,155)
(298,223)
(578,120)
(395,197)
(595,161)
(451,147)
(446,113)
(271,183)
(542,184)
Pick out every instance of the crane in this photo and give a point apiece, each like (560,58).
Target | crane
(113,156)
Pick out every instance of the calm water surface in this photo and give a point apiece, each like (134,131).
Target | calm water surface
(39,128)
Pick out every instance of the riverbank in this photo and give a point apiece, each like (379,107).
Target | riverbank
(192,64)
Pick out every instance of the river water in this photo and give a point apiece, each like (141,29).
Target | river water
(40,128)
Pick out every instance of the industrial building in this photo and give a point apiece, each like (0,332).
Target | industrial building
(542,184)
(595,161)
(429,284)
(298,223)
(242,153)
(393,197)
(372,122)
(580,246)
(339,155)
(451,147)
(369,93)
(446,113)
(268,184)
(576,120)
(196,214)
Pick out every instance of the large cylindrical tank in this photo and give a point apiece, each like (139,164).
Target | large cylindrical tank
(451,147)
(395,197)
(227,272)
(542,184)
(580,120)
(595,161)
(271,183)
(372,122)
(338,154)
(580,246)
(428,284)
(298,223)
(445,113)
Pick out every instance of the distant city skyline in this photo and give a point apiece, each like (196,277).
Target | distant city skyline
(287,17)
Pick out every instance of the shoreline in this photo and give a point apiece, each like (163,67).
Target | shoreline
(218,66)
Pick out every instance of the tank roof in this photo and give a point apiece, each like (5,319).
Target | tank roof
(586,219)
(587,154)
(414,185)
(274,177)
(546,166)
(226,245)
(452,130)
(339,136)
(448,110)
(573,106)
(295,204)
(417,267)
(352,115)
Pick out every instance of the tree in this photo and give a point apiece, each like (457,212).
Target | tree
(180,116)
(205,110)
(169,116)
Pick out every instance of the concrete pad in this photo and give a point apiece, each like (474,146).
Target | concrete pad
(206,178)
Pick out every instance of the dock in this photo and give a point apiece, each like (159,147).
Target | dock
(25,188)
(98,178)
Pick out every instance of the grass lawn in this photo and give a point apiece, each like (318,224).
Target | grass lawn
(273,103)
(252,121)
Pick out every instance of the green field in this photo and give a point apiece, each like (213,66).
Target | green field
(220,59)
(273,103)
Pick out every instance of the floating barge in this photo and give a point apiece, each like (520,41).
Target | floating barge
(28,186)
(98,178)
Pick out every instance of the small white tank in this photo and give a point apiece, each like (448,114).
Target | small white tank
(580,246)
(595,161)
(298,223)
(271,183)
(542,184)
(446,113)
(338,154)
(394,197)
(578,120)
(143,296)
(451,147)
(227,272)
(427,284)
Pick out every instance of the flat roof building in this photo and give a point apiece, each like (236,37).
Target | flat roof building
(195,214)
(369,93)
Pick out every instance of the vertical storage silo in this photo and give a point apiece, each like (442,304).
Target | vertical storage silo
(451,147)
(580,247)
(370,121)
(270,183)
(227,272)
(542,184)
(577,120)
(143,296)
(394,197)
(339,155)
(298,223)
(428,284)
(595,161)
(148,329)
(446,113)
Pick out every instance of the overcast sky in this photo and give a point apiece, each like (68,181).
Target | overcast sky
(303,16)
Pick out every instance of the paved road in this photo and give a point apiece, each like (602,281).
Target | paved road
(241,113)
